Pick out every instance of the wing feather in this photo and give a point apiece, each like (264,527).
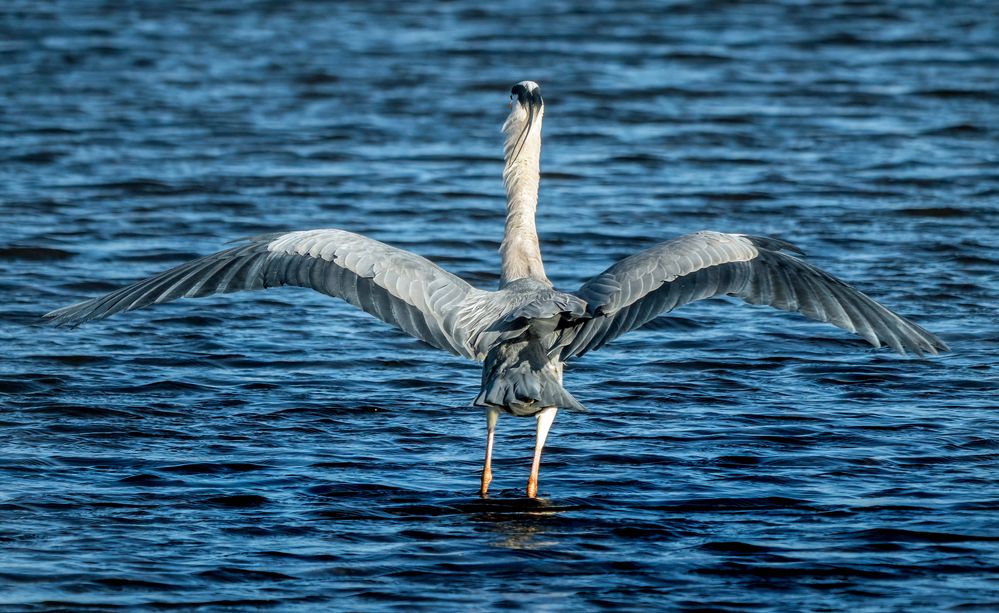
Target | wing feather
(706,264)
(396,286)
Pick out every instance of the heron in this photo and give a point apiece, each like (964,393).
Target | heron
(524,331)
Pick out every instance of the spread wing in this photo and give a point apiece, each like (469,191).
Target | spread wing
(707,264)
(396,286)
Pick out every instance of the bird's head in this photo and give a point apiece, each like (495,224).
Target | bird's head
(524,123)
(526,95)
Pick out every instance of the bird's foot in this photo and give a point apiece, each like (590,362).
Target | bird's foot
(487,477)
(532,488)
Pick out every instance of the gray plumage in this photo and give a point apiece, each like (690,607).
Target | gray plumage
(439,308)
(394,285)
(708,264)
(525,331)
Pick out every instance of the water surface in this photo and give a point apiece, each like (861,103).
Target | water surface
(280,451)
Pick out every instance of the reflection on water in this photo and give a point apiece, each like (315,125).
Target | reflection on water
(518,523)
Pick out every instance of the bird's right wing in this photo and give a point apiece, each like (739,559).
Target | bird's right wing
(396,286)
(707,264)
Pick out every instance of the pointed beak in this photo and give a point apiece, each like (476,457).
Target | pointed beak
(532,103)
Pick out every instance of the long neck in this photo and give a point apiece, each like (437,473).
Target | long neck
(520,250)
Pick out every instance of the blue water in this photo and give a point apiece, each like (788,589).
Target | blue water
(280,451)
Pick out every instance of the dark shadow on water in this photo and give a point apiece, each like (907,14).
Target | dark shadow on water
(514,506)
(519,523)
(508,518)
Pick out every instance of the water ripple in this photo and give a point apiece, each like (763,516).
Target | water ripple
(280,451)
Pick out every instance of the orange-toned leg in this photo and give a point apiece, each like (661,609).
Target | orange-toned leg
(545,419)
(487,471)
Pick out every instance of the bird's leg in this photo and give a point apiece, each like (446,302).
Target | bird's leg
(545,419)
(487,471)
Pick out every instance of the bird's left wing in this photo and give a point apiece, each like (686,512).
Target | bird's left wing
(396,286)
(707,264)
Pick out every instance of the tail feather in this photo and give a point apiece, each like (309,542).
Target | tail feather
(518,377)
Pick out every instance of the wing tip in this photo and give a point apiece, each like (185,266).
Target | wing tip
(924,345)
(57,317)
(935,345)
(60,320)
(68,316)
